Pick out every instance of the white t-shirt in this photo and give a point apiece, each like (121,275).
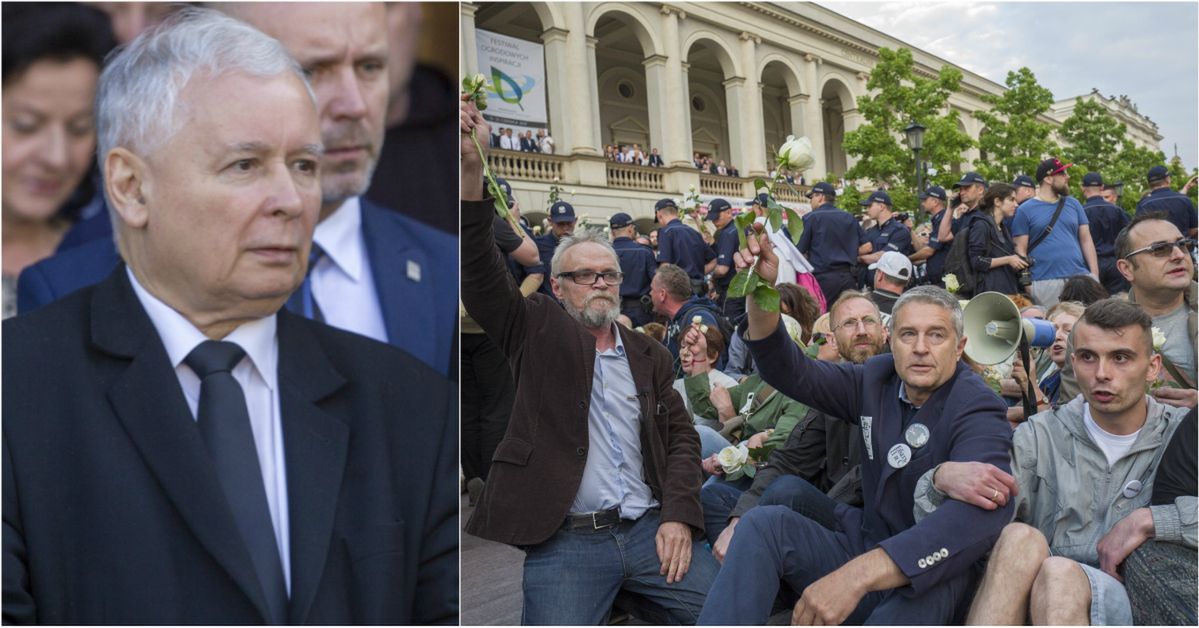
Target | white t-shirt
(1112,445)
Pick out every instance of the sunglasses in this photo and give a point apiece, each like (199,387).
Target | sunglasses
(1166,249)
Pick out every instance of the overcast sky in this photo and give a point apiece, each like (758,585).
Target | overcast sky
(1147,50)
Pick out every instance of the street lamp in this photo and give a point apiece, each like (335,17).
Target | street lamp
(915,133)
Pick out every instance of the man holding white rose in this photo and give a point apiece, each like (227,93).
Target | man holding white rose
(917,407)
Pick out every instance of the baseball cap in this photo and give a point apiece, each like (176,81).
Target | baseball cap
(620,219)
(717,207)
(1091,179)
(664,203)
(894,264)
(1023,180)
(1049,167)
(934,191)
(1157,173)
(562,212)
(823,187)
(970,178)
(879,196)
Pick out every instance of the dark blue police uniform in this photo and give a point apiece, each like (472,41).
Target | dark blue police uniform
(1178,208)
(963,420)
(545,249)
(830,241)
(638,265)
(684,247)
(1106,221)
(935,265)
(889,236)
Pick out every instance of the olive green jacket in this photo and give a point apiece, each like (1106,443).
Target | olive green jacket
(778,411)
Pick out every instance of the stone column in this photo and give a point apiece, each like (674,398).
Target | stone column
(657,103)
(593,81)
(580,88)
(853,120)
(671,94)
(753,139)
(686,113)
(814,118)
(559,106)
(798,105)
(734,98)
(468,55)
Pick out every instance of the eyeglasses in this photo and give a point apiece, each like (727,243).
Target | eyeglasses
(589,277)
(868,322)
(1166,249)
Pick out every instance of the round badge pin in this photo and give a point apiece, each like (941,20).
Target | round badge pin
(916,435)
(1132,489)
(899,456)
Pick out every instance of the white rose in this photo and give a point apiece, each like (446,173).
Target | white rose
(794,329)
(1159,340)
(796,153)
(951,282)
(733,457)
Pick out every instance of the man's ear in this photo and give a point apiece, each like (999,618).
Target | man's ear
(556,288)
(1125,268)
(125,179)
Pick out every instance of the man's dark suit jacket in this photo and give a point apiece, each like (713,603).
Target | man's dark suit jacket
(655,160)
(420,312)
(538,467)
(114,514)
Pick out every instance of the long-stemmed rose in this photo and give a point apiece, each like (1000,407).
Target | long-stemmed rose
(795,154)
(473,87)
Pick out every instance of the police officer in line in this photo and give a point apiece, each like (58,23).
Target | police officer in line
(638,265)
(1106,221)
(683,246)
(562,224)
(889,235)
(720,212)
(1026,188)
(830,241)
(933,201)
(1178,207)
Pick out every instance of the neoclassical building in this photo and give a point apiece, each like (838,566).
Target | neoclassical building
(726,80)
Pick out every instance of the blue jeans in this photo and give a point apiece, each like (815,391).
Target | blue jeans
(774,543)
(710,441)
(803,497)
(572,578)
(718,498)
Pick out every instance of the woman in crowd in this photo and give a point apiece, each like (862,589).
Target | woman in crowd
(991,251)
(52,59)
(703,367)
(1063,316)
(1084,289)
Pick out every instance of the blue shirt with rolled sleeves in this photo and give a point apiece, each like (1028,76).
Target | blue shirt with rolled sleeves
(1106,221)
(891,236)
(831,238)
(1177,207)
(727,244)
(684,247)
(638,265)
(966,421)
(612,476)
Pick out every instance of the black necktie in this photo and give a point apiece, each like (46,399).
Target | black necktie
(303,301)
(224,424)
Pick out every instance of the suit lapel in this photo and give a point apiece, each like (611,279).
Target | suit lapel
(315,445)
(148,401)
(401,273)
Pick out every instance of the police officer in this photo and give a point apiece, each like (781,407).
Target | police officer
(830,241)
(1026,188)
(720,212)
(637,264)
(1178,208)
(1106,221)
(933,201)
(683,246)
(891,234)
(562,224)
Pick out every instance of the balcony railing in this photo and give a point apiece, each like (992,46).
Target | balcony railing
(528,166)
(630,177)
(784,193)
(718,185)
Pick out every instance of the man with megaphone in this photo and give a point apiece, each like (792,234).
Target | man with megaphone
(917,407)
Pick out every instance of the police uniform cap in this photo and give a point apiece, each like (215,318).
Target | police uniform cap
(665,203)
(1157,173)
(717,207)
(620,220)
(825,188)
(562,212)
(879,196)
(1092,179)
(1023,180)
(970,178)
(934,191)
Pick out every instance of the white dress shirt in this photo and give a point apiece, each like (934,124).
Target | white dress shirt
(506,142)
(257,373)
(342,283)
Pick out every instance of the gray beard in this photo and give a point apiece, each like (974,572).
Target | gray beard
(590,318)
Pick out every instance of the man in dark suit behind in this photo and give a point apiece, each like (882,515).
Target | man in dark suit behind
(378,272)
(598,475)
(200,456)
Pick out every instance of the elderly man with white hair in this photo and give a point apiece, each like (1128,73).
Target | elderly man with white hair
(177,449)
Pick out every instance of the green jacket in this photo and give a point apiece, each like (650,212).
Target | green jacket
(779,411)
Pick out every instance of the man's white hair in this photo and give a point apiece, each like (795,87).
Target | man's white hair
(136,100)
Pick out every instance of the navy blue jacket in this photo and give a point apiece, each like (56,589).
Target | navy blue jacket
(727,244)
(935,264)
(892,236)
(638,265)
(684,247)
(837,236)
(967,422)
(546,244)
(420,309)
(1106,221)
(1178,207)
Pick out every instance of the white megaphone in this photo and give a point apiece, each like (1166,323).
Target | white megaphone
(994,328)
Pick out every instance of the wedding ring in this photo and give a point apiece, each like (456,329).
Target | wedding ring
(995,495)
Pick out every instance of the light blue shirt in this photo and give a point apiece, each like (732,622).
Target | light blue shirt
(613,475)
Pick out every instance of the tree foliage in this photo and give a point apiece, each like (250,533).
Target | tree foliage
(1015,140)
(899,97)
(1091,139)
